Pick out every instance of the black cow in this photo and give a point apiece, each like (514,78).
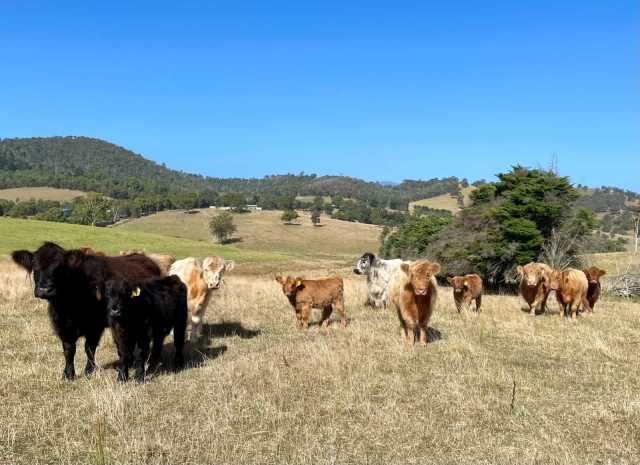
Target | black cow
(73,284)
(139,310)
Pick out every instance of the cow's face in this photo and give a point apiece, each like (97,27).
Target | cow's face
(420,275)
(594,274)
(459,283)
(213,269)
(363,265)
(48,265)
(120,297)
(532,274)
(290,285)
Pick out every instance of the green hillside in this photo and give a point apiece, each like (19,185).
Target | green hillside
(30,234)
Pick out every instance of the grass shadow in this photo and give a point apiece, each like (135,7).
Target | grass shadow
(232,240)
(228,329)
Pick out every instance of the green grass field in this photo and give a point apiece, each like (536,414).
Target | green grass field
(30,234)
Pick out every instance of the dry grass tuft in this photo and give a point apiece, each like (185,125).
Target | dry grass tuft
(259,391)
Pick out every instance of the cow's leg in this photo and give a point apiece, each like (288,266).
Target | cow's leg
(304,316)
(326,313)
(543,305)
(423,333)
(69,349)
(141,357)
(90,345)
(586,306)
(126,355)
(478,303)
(179,331)
(563,309)
(339,306)
(573,307)
(156,350)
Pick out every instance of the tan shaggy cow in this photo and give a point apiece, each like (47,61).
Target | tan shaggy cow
(414,293)
(201,277)
(465,290)
(594,274)
(304,294)
(164,261)
(571,287)
(534,285)
(85,249)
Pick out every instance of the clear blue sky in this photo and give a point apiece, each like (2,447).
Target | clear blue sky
(381,91)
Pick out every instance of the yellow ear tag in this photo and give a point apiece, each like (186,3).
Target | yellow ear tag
(135,292)
(298,283)
(466,283)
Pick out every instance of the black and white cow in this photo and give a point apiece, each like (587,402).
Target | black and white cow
(378,273)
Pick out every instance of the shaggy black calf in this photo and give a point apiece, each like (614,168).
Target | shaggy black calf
(139,310)
(73,284)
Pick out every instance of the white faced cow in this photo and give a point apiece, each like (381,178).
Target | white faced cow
(378,273)
(201,277)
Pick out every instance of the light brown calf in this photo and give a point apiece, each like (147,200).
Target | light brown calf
(466,289)
(305,294)
(571,291)
(414,293)
(595,288)
(534,285)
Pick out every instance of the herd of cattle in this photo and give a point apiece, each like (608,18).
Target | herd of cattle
(143,297)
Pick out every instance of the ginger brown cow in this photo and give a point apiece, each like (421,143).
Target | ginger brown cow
(304,294)
(594,274)
(534,285)
(89,251)
(571,287)
(414,293)
(164,261)
(466,289)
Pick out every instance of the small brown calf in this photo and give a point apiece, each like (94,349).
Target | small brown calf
(571,291)
(466,289)
(595,288)
(413,291)
(304,294)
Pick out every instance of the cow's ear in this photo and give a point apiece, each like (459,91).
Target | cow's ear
(450,280)
(75,258)
(229,265)
(24,259)
(279,279)
(435,268)
(406,269)
(601,273)
(299,282)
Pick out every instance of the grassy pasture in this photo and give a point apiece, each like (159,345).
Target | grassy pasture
(40,193)
(444,201)
(336,241)
(30,234)
(260,391)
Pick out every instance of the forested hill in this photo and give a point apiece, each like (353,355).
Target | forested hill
(89,164)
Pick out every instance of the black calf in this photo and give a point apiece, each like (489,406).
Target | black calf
(73,284)
(139,310)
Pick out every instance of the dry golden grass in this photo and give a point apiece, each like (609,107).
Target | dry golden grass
(261,391)
(40,193)
(444,201)
(335,241)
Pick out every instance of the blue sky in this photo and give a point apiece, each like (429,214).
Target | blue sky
(377,90)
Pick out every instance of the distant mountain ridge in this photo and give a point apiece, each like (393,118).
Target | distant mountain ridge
(89,164)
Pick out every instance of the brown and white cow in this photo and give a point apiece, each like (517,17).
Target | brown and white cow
(164,261)
(571,288)
(594,274)
(534,285)
(465,290)
(414,293)
(304,294)
(201,277)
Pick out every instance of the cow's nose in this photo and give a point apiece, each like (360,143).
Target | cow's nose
(356,271)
